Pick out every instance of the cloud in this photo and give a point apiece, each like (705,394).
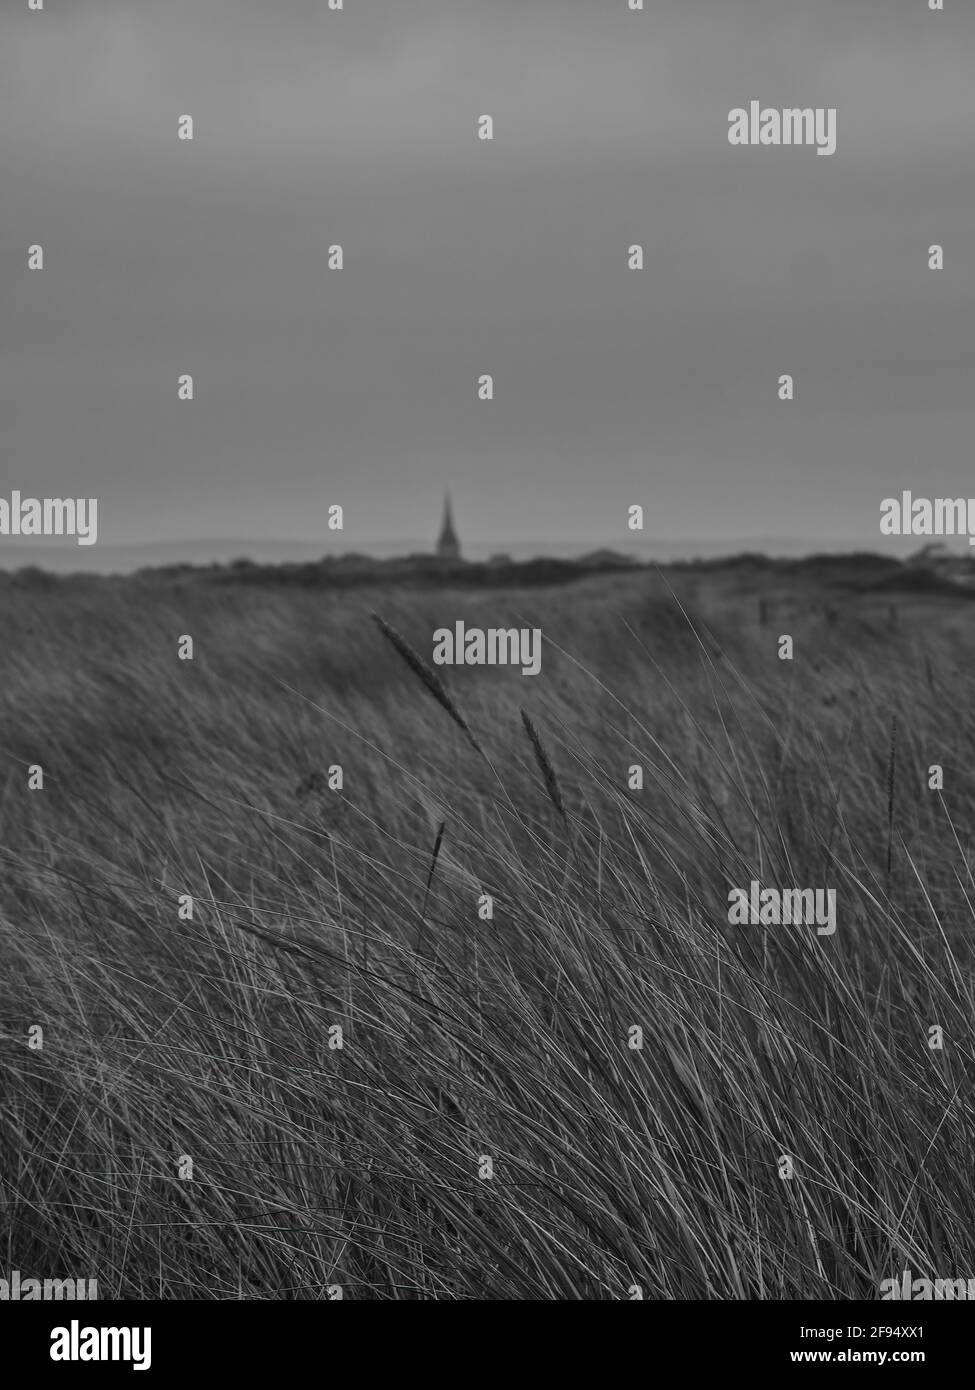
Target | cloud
(359,127)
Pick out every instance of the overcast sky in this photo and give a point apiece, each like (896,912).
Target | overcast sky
(462,257)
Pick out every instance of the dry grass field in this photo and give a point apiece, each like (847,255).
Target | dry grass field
(212,1037)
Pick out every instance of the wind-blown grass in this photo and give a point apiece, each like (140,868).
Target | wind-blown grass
(316,1166)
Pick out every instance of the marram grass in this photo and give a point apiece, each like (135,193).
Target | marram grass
(635,1068)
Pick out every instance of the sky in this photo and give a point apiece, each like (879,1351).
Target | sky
(358,387)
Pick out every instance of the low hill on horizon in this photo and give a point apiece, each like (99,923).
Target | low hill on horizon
(62,557)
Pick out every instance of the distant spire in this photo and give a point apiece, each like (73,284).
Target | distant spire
(448,546)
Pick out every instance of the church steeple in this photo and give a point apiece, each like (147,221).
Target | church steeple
(448,546)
